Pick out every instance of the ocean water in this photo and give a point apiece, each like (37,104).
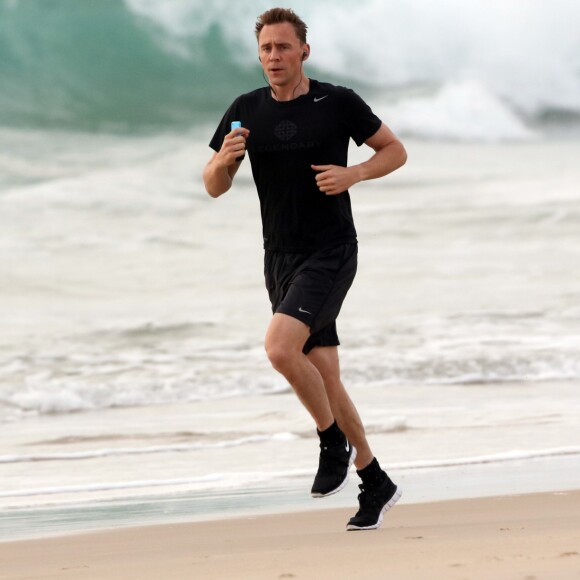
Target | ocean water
(132,307)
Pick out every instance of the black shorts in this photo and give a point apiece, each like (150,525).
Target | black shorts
(312,287)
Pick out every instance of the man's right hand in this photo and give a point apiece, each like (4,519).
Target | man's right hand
(219,172)
(233,147)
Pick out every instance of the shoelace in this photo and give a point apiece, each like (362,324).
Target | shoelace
(331,455)
(367,497)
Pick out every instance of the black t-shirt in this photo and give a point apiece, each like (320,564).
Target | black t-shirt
(286,138)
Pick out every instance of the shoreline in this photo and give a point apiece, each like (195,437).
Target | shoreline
(529,536)
(547,474)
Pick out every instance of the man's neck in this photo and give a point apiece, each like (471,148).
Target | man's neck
(289,93)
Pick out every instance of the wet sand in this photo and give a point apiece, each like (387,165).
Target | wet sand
(531,536)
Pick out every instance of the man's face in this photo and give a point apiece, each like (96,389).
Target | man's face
(281,53)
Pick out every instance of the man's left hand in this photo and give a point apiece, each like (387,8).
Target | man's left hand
(334,179)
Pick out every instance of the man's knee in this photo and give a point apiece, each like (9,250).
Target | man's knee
(279,352)
(284,342)
(276,357)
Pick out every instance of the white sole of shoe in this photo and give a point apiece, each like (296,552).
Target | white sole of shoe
(396,497)
(344,482)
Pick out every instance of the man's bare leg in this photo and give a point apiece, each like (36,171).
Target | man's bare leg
(325,359)
(285,339)
(378,492)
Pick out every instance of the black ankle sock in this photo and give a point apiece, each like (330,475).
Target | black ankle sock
(372,474)
(332,436)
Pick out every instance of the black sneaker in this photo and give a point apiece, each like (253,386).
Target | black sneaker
(333,467)
(374,503)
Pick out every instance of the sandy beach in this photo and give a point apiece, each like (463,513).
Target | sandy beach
(533,536)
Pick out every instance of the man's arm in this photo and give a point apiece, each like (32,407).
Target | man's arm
(220,170)
(389,156)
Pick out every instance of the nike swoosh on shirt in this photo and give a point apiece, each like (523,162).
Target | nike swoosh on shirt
(316,99)
(300,309)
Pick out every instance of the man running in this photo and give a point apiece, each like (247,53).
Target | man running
(296,132)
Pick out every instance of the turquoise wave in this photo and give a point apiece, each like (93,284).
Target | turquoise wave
(142,65)
(98,66)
